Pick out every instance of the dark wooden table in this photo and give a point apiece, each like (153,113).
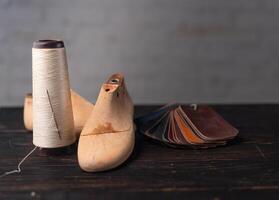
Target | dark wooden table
(247,168)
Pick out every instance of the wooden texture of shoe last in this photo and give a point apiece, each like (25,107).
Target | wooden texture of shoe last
(108,136)
(81,111)
(28,112)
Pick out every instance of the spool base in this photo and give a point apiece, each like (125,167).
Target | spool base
(60,151)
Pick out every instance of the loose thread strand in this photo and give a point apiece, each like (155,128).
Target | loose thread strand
(18,170)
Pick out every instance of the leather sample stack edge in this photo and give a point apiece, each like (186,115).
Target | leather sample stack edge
(186,126)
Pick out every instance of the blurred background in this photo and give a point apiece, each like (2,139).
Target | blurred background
(203,51)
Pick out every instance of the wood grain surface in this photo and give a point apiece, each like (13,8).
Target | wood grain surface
(246,168)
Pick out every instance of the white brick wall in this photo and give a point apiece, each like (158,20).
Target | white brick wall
(183,50)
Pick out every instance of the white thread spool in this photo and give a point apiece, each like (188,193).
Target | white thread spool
(53,124)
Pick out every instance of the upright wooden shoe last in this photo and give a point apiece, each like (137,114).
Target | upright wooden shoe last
(28,112)
(81,111)
(108,136)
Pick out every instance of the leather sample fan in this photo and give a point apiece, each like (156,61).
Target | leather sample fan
(190,126)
